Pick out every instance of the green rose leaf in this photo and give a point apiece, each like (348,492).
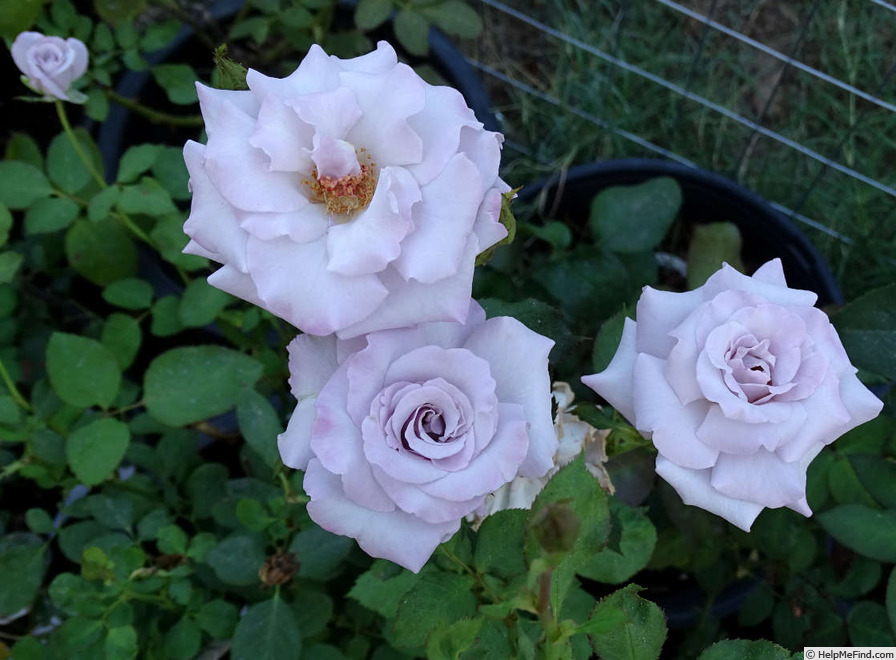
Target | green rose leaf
(867,327)
(201,304)
(454,17)
(629,219)
(237,558)
(867,531)
(121,643)
(635,538)
(82,371)
(370,14)
(95,450)
(878,477)
(39,521)
(147,197)
(136,160)
(9,265)
(869,625)
(499,543)
(320,553)
(711,245)
(437,600)
(178,81)
(122,336)
(65,167)
(643,634)
(412,31)
(129,293)
(5,224)
(100,205)
(118,11)
(49,215)
(259,425)
(218,618)
(449,642)
(744,649)
(101,251)
(22,565)
(22,184)
(190,384)
(183,640)
(267,631)
(383,587)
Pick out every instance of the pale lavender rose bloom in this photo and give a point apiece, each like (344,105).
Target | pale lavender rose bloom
(402,433)
(739,384)
(349,197)
(50,64)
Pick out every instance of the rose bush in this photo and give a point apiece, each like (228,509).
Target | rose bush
(50,65)
(404,432)
(348,197)
(739,384)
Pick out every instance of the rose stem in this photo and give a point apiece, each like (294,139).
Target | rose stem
(155,116)
(13,390)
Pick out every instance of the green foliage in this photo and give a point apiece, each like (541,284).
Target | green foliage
(642,635)
(632,219)
(268,630)
(868,531)
(82,371)
(23,560)
(712,245)
(96,449)
(866,328)
(22,184)
(743,649)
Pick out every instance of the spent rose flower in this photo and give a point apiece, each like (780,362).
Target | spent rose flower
(50,65)
(402,433)
(349,197)
(739,384)
(574,436)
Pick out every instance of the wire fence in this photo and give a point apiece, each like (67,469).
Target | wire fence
(793,99)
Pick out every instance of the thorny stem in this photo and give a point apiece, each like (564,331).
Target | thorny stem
(155,116)
(13,390)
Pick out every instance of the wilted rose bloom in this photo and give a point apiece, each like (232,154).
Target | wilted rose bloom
(349,197)
(574,437)
(404,432)
(739,384)
(50,64)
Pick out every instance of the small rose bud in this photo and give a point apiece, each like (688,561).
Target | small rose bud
(278,569)
(50,64)
(556,527)
(231,74)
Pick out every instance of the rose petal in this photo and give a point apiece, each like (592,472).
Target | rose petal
(229,279)
(736,437)
(316,72)
(294,283)
(295,442)
(369,242)
(396,536)
(410,498)
(658,313)
(694,488)
(213,101)
(283,136)
(20,47)
(331,114)
(307,224)
(312,362)
(488,228)
(729,278)
(615,382)
(518,360)
(771,272)
(443,220)
(673,426)
(761,477)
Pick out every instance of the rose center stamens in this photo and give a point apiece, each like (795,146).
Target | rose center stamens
(346,195)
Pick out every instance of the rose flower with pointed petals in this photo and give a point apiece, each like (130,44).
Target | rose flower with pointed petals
(50,65)
(402,433)
(348,197)
(739,384)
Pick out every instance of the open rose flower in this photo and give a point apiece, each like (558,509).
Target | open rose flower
(349,197)
(739,384)
(404,432)
(50,65)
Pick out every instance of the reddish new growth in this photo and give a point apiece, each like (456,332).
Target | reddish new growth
(348,194)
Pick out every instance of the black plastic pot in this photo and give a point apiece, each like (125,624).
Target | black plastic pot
(707,197)
(122,128)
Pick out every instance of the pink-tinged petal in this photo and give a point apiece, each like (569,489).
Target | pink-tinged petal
(80,57)
(192,247)
(680,369)
(285,139)
(332,114)
(801,506)
(212,223)
(241,173)
(495,466)
(771,272)
(411,499)
(488,227)
(229,279)
(411,302)
(20,47)
(714,388)
(660,312)
(483,148)
(615,382)
(694,488)
(369,242)
(518,359)
(295,442)
(439,125)
(316,72)
(294,283)
(673,426)
(334,158)
(366,369)
(212,102)
(825,337)
(396,463)
(443,223)
(386,101)
(729,278)
(396,536)
(736,437)
(307,224)
(335,438)
(859,401)
(377,61)
(312,362)
(761,477)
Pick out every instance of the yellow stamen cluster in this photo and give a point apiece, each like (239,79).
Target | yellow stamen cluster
(348,194)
